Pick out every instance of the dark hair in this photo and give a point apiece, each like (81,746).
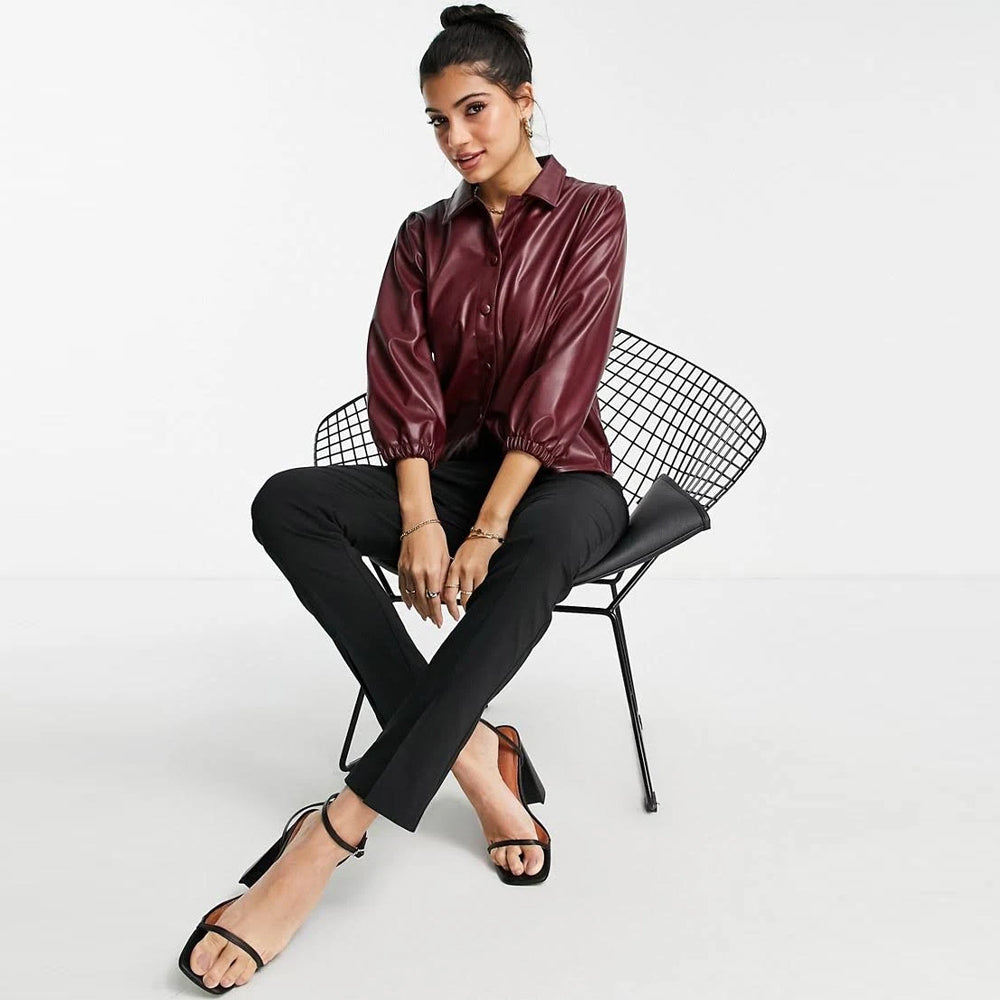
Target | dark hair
(492,43)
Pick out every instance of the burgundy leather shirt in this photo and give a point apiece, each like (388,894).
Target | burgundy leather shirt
(500,331)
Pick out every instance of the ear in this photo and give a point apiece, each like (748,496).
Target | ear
(526,99)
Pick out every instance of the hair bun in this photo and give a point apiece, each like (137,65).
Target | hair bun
(464,13)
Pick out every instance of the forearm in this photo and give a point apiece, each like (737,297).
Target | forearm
(511,482)
(413,481)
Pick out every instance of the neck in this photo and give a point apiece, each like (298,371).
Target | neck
(514,179)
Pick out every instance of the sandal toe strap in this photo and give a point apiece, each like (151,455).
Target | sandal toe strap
(505,843)
(235,939)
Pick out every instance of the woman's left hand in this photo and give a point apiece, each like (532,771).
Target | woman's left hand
(469,566)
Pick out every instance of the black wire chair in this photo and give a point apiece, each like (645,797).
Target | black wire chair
(680,438)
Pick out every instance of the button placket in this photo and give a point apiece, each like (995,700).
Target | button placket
(486,342)
(487,347)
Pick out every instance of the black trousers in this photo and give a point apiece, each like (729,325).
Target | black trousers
(317,522)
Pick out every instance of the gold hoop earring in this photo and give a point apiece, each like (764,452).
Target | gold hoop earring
(527,127)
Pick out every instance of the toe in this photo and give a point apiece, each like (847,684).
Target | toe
(499,855)
(220,966)
(233,972)
(246,969)
(514,862)
(533,860)
(236,970)
(205,953)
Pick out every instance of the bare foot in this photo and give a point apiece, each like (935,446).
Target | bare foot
(500,812)
(269,914)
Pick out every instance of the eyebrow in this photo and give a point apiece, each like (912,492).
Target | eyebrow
(481,93)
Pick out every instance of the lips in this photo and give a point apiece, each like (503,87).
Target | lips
(470,161)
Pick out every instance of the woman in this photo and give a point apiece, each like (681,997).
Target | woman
(490,335)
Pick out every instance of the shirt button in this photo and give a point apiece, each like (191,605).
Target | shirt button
(486,308)
(488,365)
(494,258)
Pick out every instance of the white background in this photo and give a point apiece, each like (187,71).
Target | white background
(198,200)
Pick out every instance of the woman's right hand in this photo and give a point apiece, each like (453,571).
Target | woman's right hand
(423,565)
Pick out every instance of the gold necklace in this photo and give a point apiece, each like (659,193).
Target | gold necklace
(495,211)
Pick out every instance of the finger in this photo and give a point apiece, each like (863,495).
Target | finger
(475,581)
(404,586)
(424,585)
(411,598)
(420,597)
(466,588)
(450,593)
(434,603)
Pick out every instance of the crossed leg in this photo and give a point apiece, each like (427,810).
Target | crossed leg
(316,528)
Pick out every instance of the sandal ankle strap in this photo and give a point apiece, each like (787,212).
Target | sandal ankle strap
(356,849)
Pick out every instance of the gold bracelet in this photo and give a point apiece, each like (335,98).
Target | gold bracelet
(479,533)
(430,520)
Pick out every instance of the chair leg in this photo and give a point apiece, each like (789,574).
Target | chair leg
(618,626)
(344,765)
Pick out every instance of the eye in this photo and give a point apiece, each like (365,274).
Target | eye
(438,119)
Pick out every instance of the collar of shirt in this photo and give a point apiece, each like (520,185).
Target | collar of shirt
(547,186)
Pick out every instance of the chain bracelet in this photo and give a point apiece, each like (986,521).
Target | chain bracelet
(479,533)
(430,520)
(473,532)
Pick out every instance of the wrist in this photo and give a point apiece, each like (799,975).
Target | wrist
(491,521)
(417,510)
(477,534)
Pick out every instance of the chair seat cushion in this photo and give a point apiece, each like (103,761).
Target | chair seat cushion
(663,518)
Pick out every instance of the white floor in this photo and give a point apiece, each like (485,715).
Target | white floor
(824,754)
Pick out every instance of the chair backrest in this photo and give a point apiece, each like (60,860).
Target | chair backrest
(661,413)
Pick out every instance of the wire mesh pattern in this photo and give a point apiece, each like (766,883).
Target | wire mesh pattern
(662,414)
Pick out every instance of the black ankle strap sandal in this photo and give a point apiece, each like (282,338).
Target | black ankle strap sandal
(534,790)
(209,922)
(521,778)
(268,858)
(358,850)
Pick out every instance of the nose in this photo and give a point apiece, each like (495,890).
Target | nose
(458,139)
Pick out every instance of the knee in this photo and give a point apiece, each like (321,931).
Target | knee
(558,551)
(546,557)
(548,543)
(273,501)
